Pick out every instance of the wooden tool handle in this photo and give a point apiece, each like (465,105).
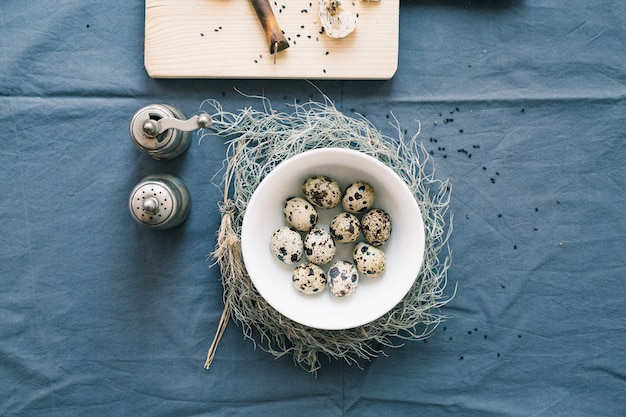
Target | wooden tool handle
(275,37)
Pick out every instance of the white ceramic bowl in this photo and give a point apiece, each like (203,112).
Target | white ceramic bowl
(373,297)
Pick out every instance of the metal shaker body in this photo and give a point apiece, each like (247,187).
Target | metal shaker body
(166,145)
(160,201)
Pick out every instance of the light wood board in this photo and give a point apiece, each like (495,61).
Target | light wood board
(224,39)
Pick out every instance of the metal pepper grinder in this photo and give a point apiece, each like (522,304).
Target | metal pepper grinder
(160,201)
(162,131)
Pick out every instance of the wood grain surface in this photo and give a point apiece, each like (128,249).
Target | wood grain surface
(224,39)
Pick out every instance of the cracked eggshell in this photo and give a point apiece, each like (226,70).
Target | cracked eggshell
(345,227)
(358,197)
(369,260)
(319,246)
(343,278)
(376,226)
(300,214)
(322,191)
(337,22)
(286,245)
(309,278)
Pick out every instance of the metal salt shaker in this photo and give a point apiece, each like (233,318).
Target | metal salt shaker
(160,201)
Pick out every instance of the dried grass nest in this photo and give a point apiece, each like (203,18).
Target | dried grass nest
(258,140)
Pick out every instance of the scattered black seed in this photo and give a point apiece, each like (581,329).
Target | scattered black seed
(461,358)
(201,34)
(448,120)
(469,65)
(503,286)
(216,30)
(326,53)
(523,110)
(469,155)
(223,93)
(445,156)
(457,109)
(324,71)
(558,202)
(87,26)
(536,209)
(499,214)
(435,123)
(519,336)
(301,26)
(431,152)
(304,11)
(493,180)
(498,354)
(485,337)
(514,246)
(469,332)
(475,329)
(256,61)
(445,328)
(460,130)
(467,217)
(440,114)
(476,146)
(497,173)
(484,168)
(535,228)
(450,337)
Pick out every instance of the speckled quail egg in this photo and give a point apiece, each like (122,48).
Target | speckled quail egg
(376,226)
(300,214)
(345,227)
(369,260)
(309,278)
(319,246)
(343,278)
(286,245)
(358,197)
(322,191)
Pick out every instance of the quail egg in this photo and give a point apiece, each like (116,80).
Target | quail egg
(369,260)
(343,278)
(309,278)
(358,197)
(345,227)
(300,214)
(322,191)
(376,226)
(319,246)
(286,245)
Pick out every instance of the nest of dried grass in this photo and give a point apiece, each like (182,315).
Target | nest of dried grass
(258,140)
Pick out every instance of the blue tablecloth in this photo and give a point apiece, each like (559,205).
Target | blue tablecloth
(523,106)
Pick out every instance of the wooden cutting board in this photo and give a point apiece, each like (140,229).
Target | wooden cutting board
(224,39)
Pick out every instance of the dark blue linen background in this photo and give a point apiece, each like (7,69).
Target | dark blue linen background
(101,317)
